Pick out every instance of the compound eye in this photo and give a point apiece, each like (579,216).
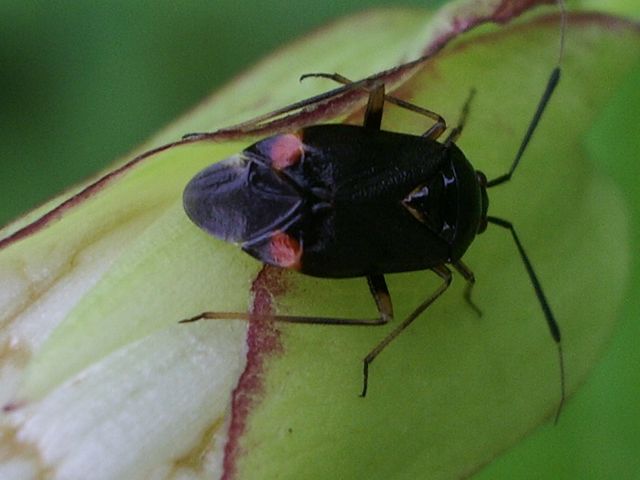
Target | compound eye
(482,178)
(482,226)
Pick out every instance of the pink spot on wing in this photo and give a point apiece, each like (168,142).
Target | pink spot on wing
(285,150)
(285,250)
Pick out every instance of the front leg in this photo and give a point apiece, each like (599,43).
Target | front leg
(377,286)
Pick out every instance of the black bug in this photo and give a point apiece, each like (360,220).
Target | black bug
(342,201)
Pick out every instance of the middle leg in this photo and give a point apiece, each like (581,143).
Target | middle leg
(433,132)
(468,275)
(444,273)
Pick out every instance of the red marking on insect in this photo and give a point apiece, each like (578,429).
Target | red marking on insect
(285,150)
(285,250)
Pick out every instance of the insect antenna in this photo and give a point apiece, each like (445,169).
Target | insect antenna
(552,83)
(537,286)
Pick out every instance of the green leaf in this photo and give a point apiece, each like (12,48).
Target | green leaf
(455,390)
(100,378)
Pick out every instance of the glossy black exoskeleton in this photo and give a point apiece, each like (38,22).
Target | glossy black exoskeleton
(343,201)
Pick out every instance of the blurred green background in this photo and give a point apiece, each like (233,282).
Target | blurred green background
(82,83)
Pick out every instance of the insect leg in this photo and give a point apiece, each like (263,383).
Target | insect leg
(434,131)
(262,120)
(445,274)
(537,286)
(457,131)
(375,105)
(379,291)
(468,275)
(286,319)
